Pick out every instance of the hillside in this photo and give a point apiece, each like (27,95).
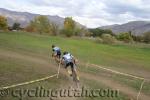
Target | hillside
(24,17)
(136,27)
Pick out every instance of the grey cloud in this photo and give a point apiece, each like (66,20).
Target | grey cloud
(111,11)
(117,8)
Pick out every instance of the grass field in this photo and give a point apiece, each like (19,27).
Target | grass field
(26,56)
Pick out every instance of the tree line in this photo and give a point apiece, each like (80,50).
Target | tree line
(126,37)
(42,25)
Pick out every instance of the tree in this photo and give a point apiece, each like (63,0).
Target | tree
(40,24)
(69,26)
(98,32)
(82,32)
(31,27)
(54,28)
(126,37)
(137,38)
(3,23)
(87,32)
(16,26)
(146,37)
(69,23)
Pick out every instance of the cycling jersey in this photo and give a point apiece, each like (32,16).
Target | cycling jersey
(68,58)
(56,49)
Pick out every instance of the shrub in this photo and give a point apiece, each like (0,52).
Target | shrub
(108,39)
(67,32)
(98,40)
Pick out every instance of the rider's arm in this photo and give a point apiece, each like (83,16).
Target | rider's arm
(53,52)
(62,60)
(74,59)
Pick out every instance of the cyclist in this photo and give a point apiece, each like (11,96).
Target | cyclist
(69,60)
(56,52)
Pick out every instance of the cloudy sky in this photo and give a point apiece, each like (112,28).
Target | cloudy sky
(92,13)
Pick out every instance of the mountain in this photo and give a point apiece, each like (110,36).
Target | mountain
(25,17)
(136,27)
(109,26)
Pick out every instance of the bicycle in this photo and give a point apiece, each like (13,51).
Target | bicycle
(73,73)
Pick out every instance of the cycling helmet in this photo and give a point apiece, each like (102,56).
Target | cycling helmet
(53,46)
(64,53)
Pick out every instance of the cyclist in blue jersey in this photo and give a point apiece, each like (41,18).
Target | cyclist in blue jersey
(56,52)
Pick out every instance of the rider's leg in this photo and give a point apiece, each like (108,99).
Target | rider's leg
(75,71)
(53,55)
(67,67)
(58,53)
(57,58)
(72,67)
(69,71)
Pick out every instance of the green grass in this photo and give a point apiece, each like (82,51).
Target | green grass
(131,58)
(110,55)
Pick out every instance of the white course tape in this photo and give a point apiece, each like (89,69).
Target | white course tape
(117,72)
(140,90)
(58,69)
(125,74)
(26,83)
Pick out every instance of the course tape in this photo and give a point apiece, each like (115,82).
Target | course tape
(125,74)
(26,83)
(117,72)
(140,90)
(114,71)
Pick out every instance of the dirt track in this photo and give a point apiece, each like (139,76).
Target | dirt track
(108,82)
